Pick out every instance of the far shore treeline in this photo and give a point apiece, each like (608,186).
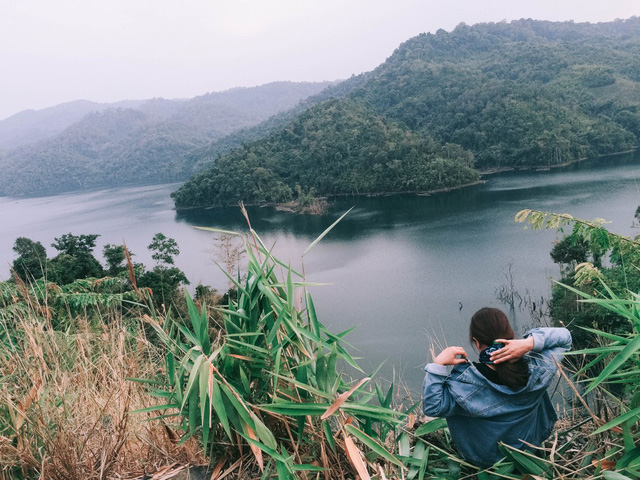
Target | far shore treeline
(442,108)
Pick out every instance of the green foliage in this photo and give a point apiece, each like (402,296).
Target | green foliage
(32,259)
(619,361)
(75,260)
(514,93)
(588,241)
(598,77)
(204,292)
(164,249)
(75,245)
(115,257)
(338,147)
(145,144)
(60,304)
(164,283)
(75,269)
(608,303)
(570,252)
(519,94)
(267,380)
(164,279)
(274,360)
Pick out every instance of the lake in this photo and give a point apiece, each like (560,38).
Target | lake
(408,271)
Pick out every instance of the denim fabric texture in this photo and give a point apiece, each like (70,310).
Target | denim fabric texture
(480,414)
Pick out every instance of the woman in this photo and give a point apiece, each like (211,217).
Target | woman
(502,398)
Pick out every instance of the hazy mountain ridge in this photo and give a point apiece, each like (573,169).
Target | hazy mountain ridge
(524,93)
(31,126)
(146,144)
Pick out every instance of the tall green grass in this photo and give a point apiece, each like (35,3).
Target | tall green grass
(256,389)
(268,381)
(617,361)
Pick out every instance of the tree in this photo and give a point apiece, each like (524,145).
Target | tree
(569,252)
(75,260)
(163,248)
(165,278)
(75,245)
(163,282)
(32,259)
(115,257)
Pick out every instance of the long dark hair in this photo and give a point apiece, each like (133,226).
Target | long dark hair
(489,324)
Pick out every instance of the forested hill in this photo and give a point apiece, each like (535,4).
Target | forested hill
(524,93)
(335,147)
(205,156)
(147,143)
(30,126)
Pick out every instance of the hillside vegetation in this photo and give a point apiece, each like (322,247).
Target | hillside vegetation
(521,94)
(101,380)
(147,144)
(333,148)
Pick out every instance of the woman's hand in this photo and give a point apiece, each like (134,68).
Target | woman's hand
(449,356)
(512,350)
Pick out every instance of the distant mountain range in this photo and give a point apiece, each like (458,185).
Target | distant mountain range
(442,107)
(85,145)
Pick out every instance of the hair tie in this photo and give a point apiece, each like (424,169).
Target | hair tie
(485,355)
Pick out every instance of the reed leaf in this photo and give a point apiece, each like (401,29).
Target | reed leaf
(528,463)
(617,362)
(355,457)
(342,398)
(323,234)
(373,445)
(630,415)
(431,426)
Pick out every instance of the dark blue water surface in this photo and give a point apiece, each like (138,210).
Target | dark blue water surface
(408,271)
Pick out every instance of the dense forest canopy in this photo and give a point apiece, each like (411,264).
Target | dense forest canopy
(520,94)
(336,147)
(144,143)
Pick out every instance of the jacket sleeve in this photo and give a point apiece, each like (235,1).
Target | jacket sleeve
(437,400)
(550,343)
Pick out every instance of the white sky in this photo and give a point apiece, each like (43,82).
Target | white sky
(53,51)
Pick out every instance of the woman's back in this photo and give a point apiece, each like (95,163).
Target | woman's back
(481,413)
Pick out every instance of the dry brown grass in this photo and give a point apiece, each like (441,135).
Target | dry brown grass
(65,402)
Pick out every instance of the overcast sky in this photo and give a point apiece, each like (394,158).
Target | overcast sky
(54,51)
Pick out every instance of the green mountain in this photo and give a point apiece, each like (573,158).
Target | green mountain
(520,94)
(336,147)
(205,156)
(141,145)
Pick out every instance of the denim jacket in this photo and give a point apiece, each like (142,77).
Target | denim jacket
(480,413)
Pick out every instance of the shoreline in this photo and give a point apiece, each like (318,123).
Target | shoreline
(292,206)
(542,168)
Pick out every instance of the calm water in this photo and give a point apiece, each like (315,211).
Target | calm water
(408,271)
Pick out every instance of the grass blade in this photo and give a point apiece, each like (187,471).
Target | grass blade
(373,445)
(322,235)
